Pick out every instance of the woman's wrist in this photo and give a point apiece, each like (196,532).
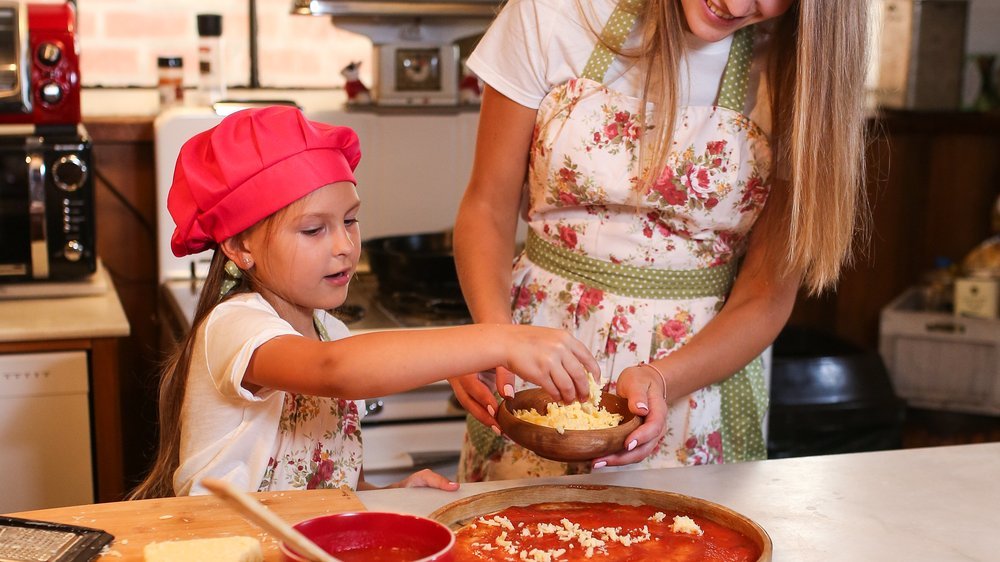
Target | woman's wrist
(659,373)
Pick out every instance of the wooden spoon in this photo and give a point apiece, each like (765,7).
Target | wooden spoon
(264,518)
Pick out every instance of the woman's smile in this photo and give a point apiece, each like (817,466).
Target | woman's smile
(719,11)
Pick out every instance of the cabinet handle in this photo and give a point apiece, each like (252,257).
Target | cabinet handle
(945,327)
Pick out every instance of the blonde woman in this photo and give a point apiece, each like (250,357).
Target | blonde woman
(684,167)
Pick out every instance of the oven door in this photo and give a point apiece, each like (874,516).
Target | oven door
(15,219)
(47,208)
(410,431)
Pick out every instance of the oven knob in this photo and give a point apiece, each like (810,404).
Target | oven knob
(48,53)
(73,250)
(69,173)
(51,93)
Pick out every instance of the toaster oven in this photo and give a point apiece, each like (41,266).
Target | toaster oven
(46,207)
(39,65)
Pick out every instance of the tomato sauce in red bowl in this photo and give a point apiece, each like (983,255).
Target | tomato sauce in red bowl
(374,536)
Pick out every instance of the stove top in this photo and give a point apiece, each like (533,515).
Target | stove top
(365,310)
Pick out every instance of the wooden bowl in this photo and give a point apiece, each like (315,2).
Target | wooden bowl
(457,514)
(573,445)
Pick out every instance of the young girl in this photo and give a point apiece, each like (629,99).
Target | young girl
(262,391)
(689,163)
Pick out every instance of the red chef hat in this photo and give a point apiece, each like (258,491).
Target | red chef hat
(253,163)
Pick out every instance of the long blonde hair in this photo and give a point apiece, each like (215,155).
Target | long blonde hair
(816,71)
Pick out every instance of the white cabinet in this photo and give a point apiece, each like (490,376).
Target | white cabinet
(45,446)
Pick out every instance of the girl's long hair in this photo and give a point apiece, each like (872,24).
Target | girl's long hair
(818,56)
(158,483)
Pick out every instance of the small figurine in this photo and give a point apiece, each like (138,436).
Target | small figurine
(470,90)
(357,92)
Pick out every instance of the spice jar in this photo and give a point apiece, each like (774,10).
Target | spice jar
(171,81)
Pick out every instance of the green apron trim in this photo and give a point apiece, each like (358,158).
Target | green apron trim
(629,280)
(736,76)
(744,405)
(613,36)
(320,329)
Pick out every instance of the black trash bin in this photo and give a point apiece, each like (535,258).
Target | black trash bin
(829,396)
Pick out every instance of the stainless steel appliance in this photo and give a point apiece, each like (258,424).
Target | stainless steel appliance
(46,189)
(416,55)
(46,207)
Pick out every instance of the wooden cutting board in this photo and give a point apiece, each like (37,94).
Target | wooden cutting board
(138,523)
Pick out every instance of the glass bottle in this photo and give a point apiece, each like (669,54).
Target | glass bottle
(171,81)
(211,76)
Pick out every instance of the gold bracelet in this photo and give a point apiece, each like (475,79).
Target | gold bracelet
(663,380)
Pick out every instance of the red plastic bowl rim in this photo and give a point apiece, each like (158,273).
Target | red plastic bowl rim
(444,550)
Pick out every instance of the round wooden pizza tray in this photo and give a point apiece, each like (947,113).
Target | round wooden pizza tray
(458,513)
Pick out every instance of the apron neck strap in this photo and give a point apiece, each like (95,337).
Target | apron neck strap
(613,36)
(736,77)
(733,91)
(320,329)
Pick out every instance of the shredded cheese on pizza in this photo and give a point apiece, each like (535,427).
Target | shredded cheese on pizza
(575,415)
(592,532)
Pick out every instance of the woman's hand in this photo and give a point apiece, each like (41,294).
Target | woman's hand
(476,393)
(643,388)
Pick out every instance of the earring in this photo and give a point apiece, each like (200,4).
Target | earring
(233,275)
(247,263)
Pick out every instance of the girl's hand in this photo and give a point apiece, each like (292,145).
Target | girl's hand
(426,478)
(643,389)
(551,358)
(475,393)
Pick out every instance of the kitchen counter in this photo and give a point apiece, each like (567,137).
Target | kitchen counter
(917,504)
(41,311)
(86,316)
(935,504)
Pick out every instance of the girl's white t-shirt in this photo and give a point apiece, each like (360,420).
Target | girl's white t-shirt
(534,46)
(227,432)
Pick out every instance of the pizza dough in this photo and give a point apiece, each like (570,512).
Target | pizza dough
(574,531)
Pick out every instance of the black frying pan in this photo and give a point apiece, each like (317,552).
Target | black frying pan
(415,263)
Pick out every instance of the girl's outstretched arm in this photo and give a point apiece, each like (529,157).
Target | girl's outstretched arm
(425,478)
(381,363)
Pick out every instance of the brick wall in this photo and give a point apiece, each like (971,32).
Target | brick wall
(121,39)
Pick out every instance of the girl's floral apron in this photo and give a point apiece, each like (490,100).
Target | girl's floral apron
(635,275)
(318,443)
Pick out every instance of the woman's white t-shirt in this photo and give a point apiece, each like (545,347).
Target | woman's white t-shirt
(227,432)
(535,45)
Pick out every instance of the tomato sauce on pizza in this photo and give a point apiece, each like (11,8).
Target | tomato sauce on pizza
(581,531)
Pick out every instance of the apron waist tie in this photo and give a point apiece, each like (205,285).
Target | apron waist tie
(629,280)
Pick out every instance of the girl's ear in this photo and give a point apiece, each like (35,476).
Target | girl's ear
(236,251)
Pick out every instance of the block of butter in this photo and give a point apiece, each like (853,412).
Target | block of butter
(222,549)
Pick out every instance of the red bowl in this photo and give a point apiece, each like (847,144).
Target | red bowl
(376,537)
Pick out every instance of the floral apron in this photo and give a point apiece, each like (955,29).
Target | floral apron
(635,275)
(318,443)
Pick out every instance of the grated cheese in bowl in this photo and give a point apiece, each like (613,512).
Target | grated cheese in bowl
(575,415)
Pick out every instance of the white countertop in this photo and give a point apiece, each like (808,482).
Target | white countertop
(933,504)
(95,312)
